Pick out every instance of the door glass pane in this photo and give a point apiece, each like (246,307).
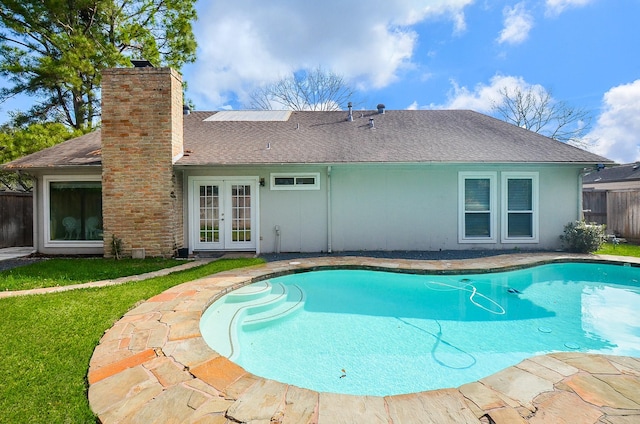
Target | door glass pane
(75,210)
(477,194)
(520,225)
(520,194)
(209,214)
(240,213)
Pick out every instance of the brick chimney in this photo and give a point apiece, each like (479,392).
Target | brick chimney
(141,139)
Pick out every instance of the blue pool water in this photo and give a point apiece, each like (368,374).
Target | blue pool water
(381,333)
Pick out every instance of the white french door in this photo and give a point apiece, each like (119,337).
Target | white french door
(223,214)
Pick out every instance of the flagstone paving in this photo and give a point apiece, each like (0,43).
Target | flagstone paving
(153,366)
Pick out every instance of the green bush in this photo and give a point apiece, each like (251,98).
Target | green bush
(580,237)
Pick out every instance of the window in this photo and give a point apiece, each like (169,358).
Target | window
(73,211)
(520,207)
(476,222)
(304,181)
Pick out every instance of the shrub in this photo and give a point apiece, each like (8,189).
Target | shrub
(580,237)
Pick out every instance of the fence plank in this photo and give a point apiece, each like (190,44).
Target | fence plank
(594,204)
(16,219)
(623,210)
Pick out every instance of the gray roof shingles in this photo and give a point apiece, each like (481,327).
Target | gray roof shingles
(402,136)
(626,172)
(79,151)
(398,136)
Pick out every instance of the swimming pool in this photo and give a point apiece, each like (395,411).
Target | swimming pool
(381,333)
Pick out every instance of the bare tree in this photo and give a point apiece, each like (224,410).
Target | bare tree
(536,110)
(314,89)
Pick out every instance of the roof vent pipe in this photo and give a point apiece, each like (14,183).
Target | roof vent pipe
(371,123)
(380,108)
(350,117)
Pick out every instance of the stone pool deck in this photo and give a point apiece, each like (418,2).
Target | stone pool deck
(153,366)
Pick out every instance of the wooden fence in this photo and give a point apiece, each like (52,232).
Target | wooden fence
(16,219)
(594,205)
(618,209)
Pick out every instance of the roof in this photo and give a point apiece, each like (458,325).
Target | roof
(627,172)
(79,151)
(250,115)
(311,137)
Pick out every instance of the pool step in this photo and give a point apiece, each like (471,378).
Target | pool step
(295,301)
(249,308)
(250,292)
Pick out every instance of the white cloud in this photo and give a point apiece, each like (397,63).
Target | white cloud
(556,7)
(243,44)
(517,24)
(482,97)
(616,134)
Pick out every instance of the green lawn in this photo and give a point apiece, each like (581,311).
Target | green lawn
(46,342)
(623,249)
(65,271)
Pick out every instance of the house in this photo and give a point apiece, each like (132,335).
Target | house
(621,177)
(611,196)
(156,178)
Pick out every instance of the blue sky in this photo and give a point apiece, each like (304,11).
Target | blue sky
(429,54)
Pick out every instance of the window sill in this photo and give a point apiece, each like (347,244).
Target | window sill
(74,243)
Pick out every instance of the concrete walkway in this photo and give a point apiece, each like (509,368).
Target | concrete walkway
(154,366)
(15,252)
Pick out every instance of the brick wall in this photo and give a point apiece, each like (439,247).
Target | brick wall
(141,138)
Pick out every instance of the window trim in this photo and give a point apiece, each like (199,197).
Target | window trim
(295,176)
(493,206)
(535,212)
(46,180)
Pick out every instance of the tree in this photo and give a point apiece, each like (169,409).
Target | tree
(18,142)
(55,50)
(536,110)
(314,89)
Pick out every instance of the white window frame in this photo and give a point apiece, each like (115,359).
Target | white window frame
(46,180)
(493,206)
(295,176)
(505,177)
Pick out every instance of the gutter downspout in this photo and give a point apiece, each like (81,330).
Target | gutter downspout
(329,221)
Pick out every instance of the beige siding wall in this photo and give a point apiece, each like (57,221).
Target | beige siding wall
(300,215)
(560,202)
(391,208)
(395,207)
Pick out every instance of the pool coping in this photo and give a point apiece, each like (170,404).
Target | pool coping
(153,366)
